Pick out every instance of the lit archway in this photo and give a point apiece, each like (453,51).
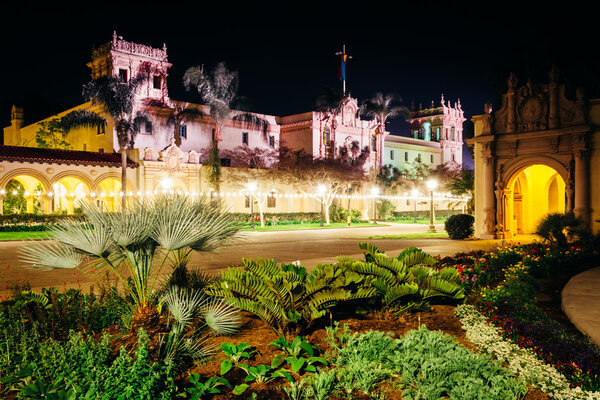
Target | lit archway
(24,194)
(68,193)
(107,194)
(531,193)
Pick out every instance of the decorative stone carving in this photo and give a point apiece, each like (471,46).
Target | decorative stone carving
(49,170)
(150,154)
(194,157)
(93,172)
(553,143)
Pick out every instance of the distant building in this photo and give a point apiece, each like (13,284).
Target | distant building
(175,151)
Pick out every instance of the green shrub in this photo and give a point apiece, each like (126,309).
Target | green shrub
(426,364)
(340,214)
(555,227)
(88,368)
(407,281)
(459,226)
(285,296)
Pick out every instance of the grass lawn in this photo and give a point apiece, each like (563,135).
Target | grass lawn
(23,235)
(424,235)
(315,225)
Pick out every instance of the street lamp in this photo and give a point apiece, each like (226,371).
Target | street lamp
(415,193)
(375,192)
(431,185)
(321,190)
(251,189)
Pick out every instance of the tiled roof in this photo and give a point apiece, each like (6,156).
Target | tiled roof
(35,154)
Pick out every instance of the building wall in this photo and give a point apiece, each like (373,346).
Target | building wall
(408,150)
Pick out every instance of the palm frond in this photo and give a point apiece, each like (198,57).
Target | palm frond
(251,121)
(50,254)
(81,119)
(223,319)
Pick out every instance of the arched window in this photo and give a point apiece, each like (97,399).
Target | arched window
(374,143)
(426,129)
(437,133)
(452,133)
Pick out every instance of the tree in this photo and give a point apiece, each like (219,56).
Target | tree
(259,162)
(464,185)
(218,91)
(51,135)
(306,173)
(178,114)
(380,108)
(117,99)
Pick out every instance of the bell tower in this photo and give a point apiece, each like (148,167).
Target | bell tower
(125,60)
(443,124)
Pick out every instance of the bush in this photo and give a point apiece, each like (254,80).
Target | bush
(459,226)
(385,209)
(340,214)
(555,227)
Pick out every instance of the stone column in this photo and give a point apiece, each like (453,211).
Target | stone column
(582,209)
(29,198)
(2,195)
(489,207)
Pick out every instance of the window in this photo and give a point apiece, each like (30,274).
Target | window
(271,200)
(437,133)
(225,162)
(408,202)
(213,134)
(148,128)
(247,201)
(391,154)
(419,157)
(101,129)
(85,147)
(453,159)
(416,133)
(157,82)
(100,150)
(374,143)
(326,136)
(244,137)
(123,75)
(272,141)
(183,131)
(452,132)
(431,158)
(406,156)
(426,131)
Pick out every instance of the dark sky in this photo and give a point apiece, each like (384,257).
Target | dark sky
(284,52)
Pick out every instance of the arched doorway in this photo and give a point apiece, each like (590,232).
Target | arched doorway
(531,193)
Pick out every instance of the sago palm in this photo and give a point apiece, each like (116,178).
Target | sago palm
(117,99)
(218,90)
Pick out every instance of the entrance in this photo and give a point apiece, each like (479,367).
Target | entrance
(531,193)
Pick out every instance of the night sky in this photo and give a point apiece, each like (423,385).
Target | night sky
(284,52)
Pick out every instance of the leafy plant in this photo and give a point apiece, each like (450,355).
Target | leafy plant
(300,355)
(407,281)
(555,227)
(138,244)
(286,297)
(210,386)
(235,354)
(459,226)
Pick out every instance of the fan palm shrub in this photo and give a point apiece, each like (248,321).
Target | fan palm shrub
(555,227)
(286,296)
(407,281)
(138,247)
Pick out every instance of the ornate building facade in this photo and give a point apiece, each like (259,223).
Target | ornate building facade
(175,150)
(539,153)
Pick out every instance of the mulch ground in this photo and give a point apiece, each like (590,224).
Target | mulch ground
(259,335)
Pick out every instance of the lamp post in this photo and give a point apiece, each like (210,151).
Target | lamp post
(251,189)
(375,192)
(431,185)
(321,190)
(415,193)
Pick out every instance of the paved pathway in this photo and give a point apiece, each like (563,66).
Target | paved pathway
(310,247)
(581,302)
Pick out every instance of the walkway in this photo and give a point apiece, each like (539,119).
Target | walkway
(581,302)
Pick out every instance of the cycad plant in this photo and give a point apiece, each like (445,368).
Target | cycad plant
(286,296)
(407,281)
(138,246)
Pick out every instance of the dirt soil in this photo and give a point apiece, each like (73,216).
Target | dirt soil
(259,335)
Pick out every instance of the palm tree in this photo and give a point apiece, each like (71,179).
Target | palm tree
(329,103)
(178,113)
(218,91)
(464,185)
(380,108)
(117,99)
